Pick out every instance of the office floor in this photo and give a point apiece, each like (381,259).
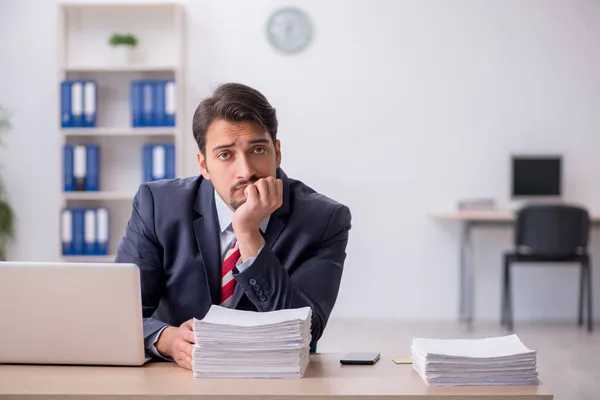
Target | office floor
(568,357)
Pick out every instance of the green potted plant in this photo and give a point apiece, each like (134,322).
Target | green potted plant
(123,45)
(7,217)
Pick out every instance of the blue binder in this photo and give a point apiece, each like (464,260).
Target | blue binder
(66,118)
(136,103)
(68,178)
(147,163)
(89,103)
(77,103)
(170,102)
(147,103)
(92,181)
(78,231)
(159,164)
(102,231)
(170,161)
(79,167)
(89,237)
(158,97)
(67,232)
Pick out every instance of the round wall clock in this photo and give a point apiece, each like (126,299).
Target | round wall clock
(289,30)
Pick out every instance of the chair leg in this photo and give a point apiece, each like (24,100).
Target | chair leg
(509,307)
(590,318)
(582,278)
(503,293)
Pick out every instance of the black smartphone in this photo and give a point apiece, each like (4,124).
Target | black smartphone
(368,358)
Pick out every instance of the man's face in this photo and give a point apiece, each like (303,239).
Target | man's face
(237,154)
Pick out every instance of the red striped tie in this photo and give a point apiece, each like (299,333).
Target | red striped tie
(227,280)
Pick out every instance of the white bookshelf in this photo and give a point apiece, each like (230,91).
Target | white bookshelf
(84,53)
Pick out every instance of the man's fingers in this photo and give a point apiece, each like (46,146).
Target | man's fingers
(251,194)
(188,324)
(189,336)
(279,189)
(274,193)
(189,349)
(183,363)
(184,347)
(263,191)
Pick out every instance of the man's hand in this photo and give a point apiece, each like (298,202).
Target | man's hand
(262,198)
(177,343)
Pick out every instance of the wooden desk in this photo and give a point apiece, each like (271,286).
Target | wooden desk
(325,378)
(470,219)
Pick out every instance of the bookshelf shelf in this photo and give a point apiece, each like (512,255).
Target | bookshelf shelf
(100,195)
(125,132)
(120,68)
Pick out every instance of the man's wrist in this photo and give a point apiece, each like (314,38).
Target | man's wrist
(163,342)
(249,243)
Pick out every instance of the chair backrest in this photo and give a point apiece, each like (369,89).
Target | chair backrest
(552,230)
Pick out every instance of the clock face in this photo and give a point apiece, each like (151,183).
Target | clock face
(289,30)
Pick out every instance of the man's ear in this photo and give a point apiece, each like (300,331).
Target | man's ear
(202,165)
(278,152)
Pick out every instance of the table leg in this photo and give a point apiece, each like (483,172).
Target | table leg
(470,276)
(466,275)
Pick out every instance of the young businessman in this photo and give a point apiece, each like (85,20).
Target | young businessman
(242,234)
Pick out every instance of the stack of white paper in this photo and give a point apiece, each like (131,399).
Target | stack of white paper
(474,362)
(246,344)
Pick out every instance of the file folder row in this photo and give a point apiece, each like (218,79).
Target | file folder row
(153,103)
(158,162)
(81,168)
(78,103)
(85,231)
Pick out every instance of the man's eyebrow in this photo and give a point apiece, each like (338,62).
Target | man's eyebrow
(228,145)
(256,141)
(222,146)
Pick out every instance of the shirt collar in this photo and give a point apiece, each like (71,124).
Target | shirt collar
(225,215)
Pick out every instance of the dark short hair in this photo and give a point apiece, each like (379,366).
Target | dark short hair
(233,102)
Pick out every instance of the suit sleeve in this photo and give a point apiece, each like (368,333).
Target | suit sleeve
(314,283)
(140,246)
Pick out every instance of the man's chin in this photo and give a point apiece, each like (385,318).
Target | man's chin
(236,203)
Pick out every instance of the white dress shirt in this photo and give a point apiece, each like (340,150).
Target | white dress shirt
(226,238)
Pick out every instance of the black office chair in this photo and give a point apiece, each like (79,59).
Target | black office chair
(550,233)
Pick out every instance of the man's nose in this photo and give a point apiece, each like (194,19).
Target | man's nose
(244,168)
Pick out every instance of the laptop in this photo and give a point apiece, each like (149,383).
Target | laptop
(71,313)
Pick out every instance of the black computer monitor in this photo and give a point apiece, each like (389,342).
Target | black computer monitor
(536,176)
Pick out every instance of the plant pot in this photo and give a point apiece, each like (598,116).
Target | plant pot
(122,54)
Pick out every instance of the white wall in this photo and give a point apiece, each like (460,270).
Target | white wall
(396,109)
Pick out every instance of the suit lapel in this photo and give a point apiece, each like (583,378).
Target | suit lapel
(206,229)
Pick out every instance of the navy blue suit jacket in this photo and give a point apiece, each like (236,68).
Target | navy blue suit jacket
(173,236)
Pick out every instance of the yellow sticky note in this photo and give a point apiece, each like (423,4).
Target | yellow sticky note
(402,360)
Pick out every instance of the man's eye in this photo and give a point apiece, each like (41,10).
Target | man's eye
(223,156)
(259,150)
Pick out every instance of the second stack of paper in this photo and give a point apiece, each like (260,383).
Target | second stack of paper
(246,344)
(475,362)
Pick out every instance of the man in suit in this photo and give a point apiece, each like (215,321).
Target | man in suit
(240,235)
